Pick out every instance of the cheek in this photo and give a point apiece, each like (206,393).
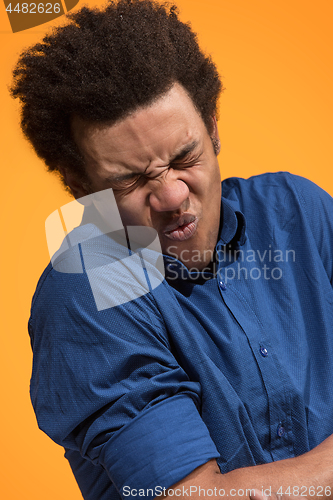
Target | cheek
(216,179)
(208,185)
(133,211)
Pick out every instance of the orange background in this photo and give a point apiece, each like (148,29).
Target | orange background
(275,114)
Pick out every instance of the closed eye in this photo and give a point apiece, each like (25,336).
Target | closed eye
(186,163)
(125,186)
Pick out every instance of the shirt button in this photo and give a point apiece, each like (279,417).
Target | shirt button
(280,431)
(263,351)
(223,285)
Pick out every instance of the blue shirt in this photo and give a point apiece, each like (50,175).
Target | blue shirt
(235,364)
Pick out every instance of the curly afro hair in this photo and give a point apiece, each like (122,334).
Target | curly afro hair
(101,66)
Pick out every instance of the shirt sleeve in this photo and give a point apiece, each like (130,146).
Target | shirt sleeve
(106,384)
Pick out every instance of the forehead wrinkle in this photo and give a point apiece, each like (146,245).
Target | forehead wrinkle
(145,147)
(145,138)
(161,115)
(154,154)
(130,167)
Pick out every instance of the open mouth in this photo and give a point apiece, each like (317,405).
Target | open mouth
(183,229)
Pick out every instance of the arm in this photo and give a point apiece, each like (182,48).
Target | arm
(313,469)
(106,386)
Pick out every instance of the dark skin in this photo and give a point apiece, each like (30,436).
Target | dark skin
(162,165)
(313,469)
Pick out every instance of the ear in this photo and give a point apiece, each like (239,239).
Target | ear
(77,187)
(215,136)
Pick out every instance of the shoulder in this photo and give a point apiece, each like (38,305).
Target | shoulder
(283,181)
(284,207)
(275,191)
(95,285)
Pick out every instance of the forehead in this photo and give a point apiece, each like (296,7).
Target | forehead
(153,133)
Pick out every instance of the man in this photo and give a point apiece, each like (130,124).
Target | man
(220,377)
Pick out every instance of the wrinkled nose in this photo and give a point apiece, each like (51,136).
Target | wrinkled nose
(168,194)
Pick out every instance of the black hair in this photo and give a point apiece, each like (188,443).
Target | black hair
(104,64)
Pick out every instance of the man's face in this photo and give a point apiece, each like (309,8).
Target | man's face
(160,163)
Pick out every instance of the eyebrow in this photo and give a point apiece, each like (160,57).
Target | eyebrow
(124,177)
(185,151)
(179,156)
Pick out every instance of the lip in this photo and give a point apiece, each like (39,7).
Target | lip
(182,229)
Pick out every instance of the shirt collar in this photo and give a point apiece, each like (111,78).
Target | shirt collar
(233,224)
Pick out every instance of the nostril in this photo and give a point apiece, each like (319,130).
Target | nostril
(168,196)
